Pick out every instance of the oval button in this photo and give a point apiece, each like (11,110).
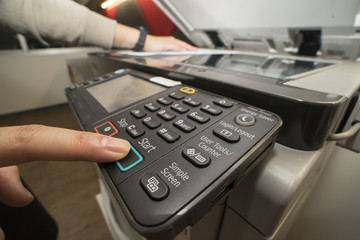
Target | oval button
(187,90)
(154,187)
(226,134)
(196,157)
(245,119)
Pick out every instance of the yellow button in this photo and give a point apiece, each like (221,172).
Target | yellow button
(187,90)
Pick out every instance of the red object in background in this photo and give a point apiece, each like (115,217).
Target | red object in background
(158,22)
(111,12)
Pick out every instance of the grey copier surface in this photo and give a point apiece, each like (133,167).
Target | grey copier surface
(266,71)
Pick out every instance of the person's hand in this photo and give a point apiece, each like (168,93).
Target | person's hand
(39,143)
(126,37)
(159,44)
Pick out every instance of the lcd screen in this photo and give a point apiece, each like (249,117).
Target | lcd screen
(122,91)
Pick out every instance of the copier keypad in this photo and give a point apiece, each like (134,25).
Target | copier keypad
(182,140)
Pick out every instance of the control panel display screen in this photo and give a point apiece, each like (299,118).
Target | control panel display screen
(128,88)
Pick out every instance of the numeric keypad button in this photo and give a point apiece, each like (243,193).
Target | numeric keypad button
(184,125)
(164,101)
(198,117)
(180,108)
(176,95)
(151,122)
(192,102)
(152,107)
(166,115)
(138,113)
(223,103)
(210,110)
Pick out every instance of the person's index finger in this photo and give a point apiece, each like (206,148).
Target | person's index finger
(35,142)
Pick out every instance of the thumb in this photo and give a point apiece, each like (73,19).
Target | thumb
(12,192)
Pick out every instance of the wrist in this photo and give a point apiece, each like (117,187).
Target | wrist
(125,37)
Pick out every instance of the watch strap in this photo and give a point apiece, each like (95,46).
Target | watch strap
(139,46)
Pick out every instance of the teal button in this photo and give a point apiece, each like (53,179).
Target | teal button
(131,160)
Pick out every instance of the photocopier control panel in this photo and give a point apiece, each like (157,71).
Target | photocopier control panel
(189,148)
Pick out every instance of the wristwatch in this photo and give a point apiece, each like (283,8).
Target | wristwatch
(139,46)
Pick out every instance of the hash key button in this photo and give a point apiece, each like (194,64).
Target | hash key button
(196,157)
(154,186)
(168,135)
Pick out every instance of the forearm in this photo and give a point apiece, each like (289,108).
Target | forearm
(60,20)
(127,37)
(68,21)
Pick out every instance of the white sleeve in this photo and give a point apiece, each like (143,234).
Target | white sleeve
(63,20)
